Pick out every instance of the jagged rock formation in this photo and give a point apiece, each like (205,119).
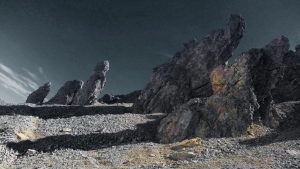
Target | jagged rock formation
(186,75)
(38,96)
(94,85)
(242,94)
(204,97)
(66,93)
(124,98)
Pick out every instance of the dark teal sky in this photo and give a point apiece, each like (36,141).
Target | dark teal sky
(59,40)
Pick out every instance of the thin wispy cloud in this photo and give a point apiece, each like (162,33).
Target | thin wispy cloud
(41,70)
(32,75)
(17,83)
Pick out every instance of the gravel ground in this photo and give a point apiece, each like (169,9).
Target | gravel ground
(126,141)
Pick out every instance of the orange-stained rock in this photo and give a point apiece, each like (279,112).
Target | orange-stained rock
(216,77)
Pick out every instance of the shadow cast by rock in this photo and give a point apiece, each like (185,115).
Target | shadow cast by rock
(143,133)
(55,111)
(281,136)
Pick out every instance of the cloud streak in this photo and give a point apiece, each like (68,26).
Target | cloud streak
(17,83)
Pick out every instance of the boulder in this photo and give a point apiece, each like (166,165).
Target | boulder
(38,96)
(66,93)
(286,114)
(180,124)
(187,74)
(241,95)
(123,98)
(89,92)
(109,99)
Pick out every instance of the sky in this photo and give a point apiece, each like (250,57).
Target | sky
(60,40)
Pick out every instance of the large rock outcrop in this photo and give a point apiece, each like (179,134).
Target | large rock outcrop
(38,96)
(93,86)
(186,75)
(242,95)
(66,93)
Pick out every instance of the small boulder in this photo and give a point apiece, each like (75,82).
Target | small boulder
(109,99)
(124,98)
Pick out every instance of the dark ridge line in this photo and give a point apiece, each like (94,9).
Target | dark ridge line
(53,112)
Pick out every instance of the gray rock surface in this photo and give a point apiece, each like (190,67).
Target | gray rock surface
(286,114)
(38,96)
(186,75)
(93,86)
(66,93)
(242,95)
(287,87)
(181,123)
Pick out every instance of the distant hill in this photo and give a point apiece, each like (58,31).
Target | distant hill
(2,102)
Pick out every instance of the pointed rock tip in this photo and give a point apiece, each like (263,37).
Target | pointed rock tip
(280,43)
(47,84)
(235,28)
(102,66)
(236,22)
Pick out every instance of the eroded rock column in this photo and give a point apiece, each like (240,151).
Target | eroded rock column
(93,86)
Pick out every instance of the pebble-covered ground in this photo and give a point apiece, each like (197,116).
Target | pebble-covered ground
(126,141)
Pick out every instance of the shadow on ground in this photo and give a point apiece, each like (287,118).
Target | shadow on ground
(53,112)
(281,136)
(144,133)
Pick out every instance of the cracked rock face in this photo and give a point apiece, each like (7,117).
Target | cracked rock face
(242,94)
(187,74)
(93,86)
(66,93)
(38,96)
